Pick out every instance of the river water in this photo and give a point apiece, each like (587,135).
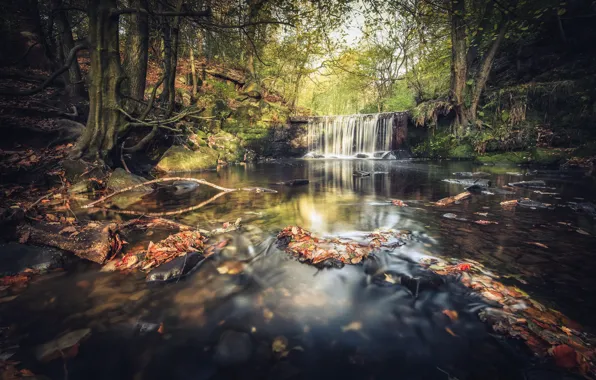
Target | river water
(274,318)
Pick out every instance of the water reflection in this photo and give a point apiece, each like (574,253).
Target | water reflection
(349,323)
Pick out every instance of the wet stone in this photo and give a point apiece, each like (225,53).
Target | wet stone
(15,258)
(360,173)
(584,208)
(175,269)
(234,348)
(480,182)
(528,203)
(294,182)
(471,174)
(529,184)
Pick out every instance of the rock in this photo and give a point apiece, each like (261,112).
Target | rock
(121,179)
(16,258)
(176,268)
(470,182)
(471,174)
(250,156)
(314,155)
(182,187)
(227,146)
(528,203)
(178,159)
(384,155)
(61,346)
(402,154)
(75,170)
(454,217)
(529,184)
(584,207)
(361,155)
(294,182)
(83,186)
(360,173)
(234,348)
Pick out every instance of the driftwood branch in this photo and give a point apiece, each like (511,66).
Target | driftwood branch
(185,179)
(72,55)
(166,213)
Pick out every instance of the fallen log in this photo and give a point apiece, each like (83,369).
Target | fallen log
(94,242)
(456,198)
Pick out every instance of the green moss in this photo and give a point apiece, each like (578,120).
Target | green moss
(462,151)
(178,159)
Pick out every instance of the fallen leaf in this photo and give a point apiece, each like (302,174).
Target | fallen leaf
(161,329)
(67,230)
(452,314)
(485,222)
(389,278)
(354,326)
(279,344)
(537,244)
(400,203)
(463,267)
(450,331)
(564,356)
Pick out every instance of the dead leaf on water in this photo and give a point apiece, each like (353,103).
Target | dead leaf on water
(452,314)
(389,278)
(541,245)
(450,331)
(279,344)
(354,326)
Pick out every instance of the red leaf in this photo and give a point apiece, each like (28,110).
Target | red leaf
(564,356)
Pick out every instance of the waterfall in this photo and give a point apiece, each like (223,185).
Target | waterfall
(353,134)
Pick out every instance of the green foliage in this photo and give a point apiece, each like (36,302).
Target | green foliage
(437,146)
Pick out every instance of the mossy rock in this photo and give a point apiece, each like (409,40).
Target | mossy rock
(121,179)
(178,159)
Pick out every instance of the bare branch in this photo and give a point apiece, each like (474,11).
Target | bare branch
(224,190)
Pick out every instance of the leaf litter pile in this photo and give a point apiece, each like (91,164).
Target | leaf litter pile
(513,313)
(315,250)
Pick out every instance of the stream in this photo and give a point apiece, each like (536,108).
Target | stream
(267,316)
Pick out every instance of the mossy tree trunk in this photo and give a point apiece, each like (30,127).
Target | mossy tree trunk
(106,76)
(469,70)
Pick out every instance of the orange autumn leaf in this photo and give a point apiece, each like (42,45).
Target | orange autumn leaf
(452,314)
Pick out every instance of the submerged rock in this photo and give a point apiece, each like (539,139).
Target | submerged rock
(402,154)
(361,155)
(470,182)
(234,348)
(528,203)
(584,207)
(15,258)
(178,159)
(471,174)
(294,182)
(360,173)
(61,346)
(176,268)
(121,179)
(529,184)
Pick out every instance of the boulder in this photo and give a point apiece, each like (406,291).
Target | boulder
(361,155)
(360,174)
(176,268)
(178,159)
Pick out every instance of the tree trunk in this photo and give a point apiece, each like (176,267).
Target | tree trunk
(193,70)
(484,70)
(171,42)
(73,78)
(105,120)
(25,35)
(459,67)
(137,53)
